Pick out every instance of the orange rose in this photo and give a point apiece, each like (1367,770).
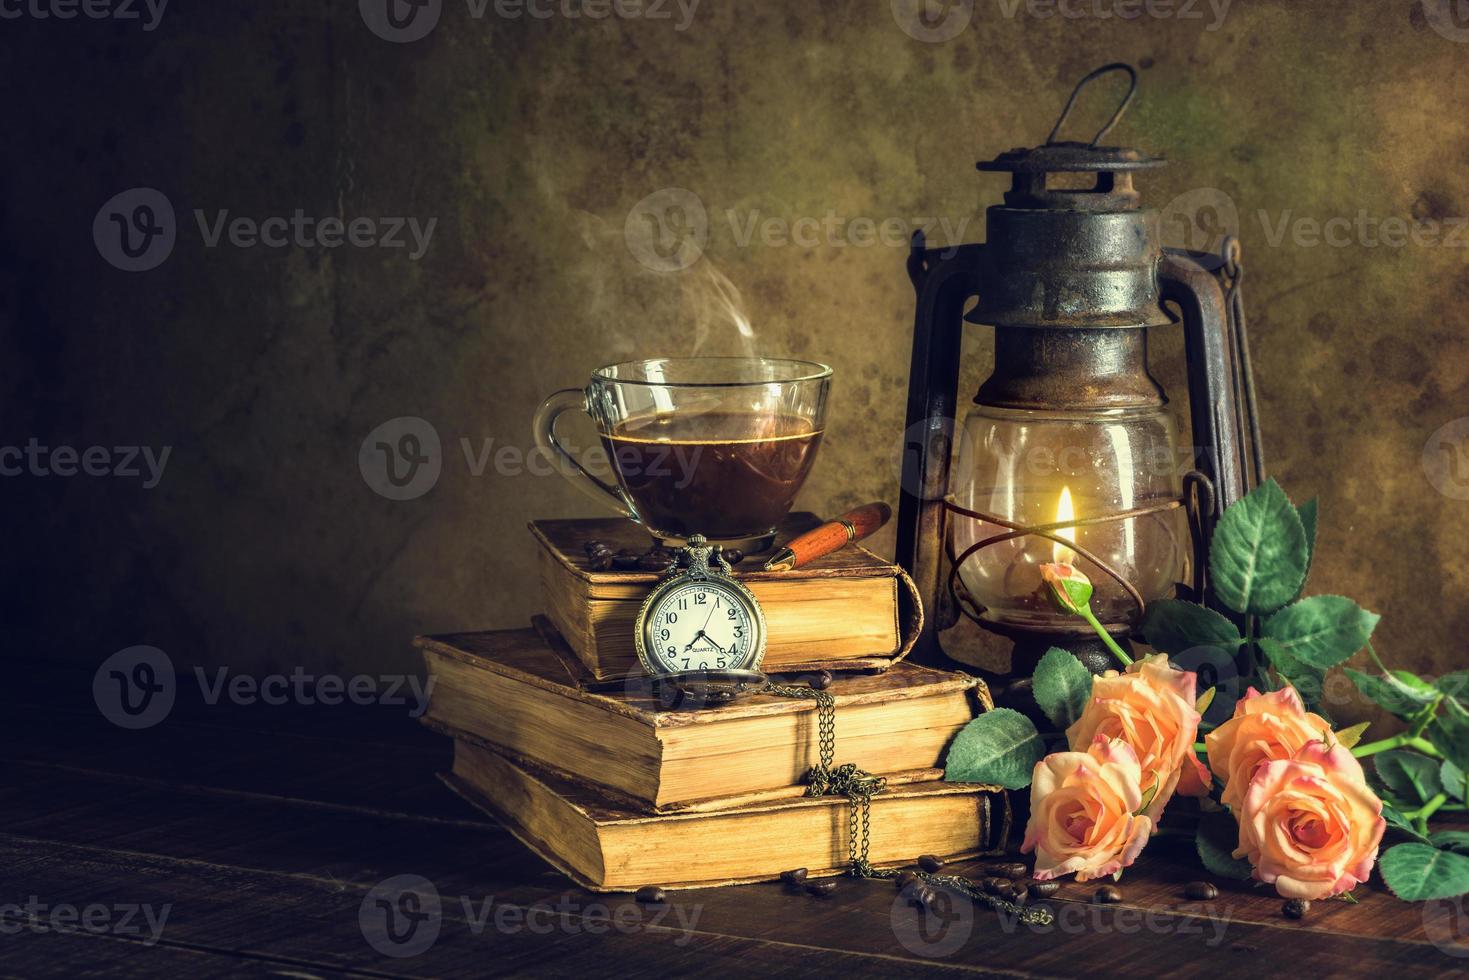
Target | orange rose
(1151,708)
(1083,812)
(1265,727)
(1309,825)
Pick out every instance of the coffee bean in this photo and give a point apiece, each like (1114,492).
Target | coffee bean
(1295,908)
(1107,895)
(930,862)
(923,895)
(600,562)
(1021,894)
(821,681)
(1005,869)
(794,876)
(1043,889)
(594,546)
(1004,889)
(733,555)
(821,889)
(907,878)
(651,895)
(1200,891)
(991,886)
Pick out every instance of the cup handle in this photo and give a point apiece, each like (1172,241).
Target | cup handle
(565,400)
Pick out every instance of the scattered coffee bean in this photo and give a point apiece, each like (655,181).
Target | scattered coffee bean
(907,878)
(1200,891)
(821,681)
(1295,908)
(821,889)
(923,895)
(593,546)
(930,862)
(733,555)
(1006,869)
(1043,889)
(1005,889)
(991,886)
(651,895)
(794,876)
(600,562)
(1107,895)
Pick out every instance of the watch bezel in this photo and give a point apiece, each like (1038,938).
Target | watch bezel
(649,661)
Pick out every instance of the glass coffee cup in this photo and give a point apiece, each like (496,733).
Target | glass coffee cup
(717,446)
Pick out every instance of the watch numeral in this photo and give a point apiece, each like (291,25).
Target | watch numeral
(673,616)
(701,599)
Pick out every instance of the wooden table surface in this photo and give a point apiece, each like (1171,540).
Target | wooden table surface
(232,840)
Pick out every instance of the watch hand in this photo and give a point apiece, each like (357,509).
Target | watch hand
(709,617)
(697,635)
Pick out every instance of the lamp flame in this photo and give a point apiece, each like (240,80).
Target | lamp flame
(1064,512)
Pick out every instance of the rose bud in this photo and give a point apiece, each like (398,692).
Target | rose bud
(1070,590)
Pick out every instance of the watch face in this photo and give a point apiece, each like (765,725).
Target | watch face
(702,625)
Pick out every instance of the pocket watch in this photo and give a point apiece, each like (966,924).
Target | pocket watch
(700,621)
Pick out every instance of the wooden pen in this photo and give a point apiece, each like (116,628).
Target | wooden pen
(831,536)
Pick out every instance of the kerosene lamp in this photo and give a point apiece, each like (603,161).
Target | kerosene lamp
(1069,452)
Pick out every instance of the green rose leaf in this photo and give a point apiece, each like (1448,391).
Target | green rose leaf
(1449,733)
(1455,685)
(1258,556)
(1407,775)
(1391,694)
(1418,872)
(1397,821)
(1061,687)
(1321,631)
(1309,682)
(1450,840)
(1216,839)
(1000,746)
(1173,626)
(1308,513)
(1452,778)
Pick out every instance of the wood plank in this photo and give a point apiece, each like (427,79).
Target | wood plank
(341,852)
(290,921)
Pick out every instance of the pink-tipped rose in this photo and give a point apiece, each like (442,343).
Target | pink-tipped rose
(1265,728)
(1309,825)
(1151,708)
(1083,812)
(1070,590)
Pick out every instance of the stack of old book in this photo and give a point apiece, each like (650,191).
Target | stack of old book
(558,736)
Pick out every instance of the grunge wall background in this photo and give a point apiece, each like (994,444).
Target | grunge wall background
(562,168)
